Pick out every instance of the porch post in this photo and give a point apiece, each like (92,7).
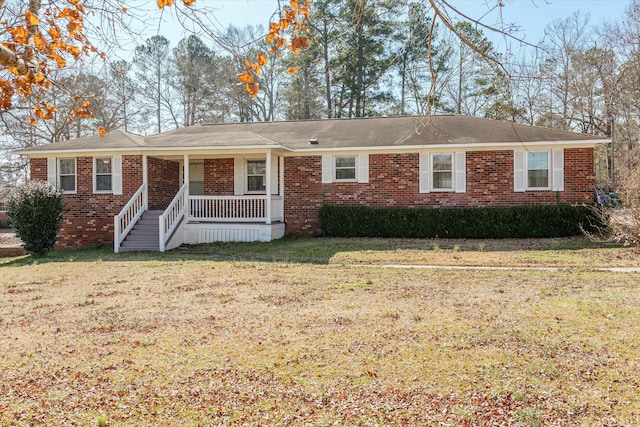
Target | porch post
(281,180)
(268,188)
(145,182)
(186,189)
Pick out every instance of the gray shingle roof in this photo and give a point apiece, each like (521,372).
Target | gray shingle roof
(337,133)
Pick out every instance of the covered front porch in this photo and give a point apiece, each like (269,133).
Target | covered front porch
(251,210)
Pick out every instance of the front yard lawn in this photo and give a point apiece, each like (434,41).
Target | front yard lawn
(216,336)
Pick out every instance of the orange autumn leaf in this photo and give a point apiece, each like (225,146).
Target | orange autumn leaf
(54,32)
(252,89)
(262,60)
(60,61)
(31,18)
(39,112)
(163,3)
(188,2)
(101,131)
(245,77)
(40,41)
(72,27)
(292,70)
(21,35)
(298,43)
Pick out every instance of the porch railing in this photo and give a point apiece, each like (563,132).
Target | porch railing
(234,208)
(128,216)
(172,218)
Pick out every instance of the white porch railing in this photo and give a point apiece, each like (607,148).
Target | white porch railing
(128,216)
(235,208)
(172,219)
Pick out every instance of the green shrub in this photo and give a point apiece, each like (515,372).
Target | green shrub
(35,213)
(528,221)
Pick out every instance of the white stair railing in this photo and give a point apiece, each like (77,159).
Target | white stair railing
(128,216)
(172,217)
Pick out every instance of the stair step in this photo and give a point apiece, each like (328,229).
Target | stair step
(141,248)
(145,234)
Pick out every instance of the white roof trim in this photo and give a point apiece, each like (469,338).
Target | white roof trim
(483,146)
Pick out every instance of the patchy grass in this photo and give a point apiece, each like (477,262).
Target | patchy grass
(568,252)
(92,338)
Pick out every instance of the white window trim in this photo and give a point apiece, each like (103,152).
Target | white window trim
(549,171)
(95,175)
(458,172)
(75,175)
(453,173)
(521,170)
(246,176)
(116,175)
(329,168)
(334,172)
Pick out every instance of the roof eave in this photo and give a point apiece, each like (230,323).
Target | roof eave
(484,146)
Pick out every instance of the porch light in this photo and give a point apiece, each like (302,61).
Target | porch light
(105,161)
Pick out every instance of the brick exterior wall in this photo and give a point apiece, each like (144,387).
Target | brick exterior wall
(394,181)
(164,182)
(218,177)
(88,218)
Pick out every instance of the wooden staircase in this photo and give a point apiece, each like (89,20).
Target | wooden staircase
(145,235)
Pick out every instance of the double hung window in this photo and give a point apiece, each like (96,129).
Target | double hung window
(67,175)
(256,176)
(103,174)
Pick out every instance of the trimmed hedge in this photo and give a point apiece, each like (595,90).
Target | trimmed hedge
(528,221)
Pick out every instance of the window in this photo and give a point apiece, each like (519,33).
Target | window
(538,169)
(103,175)
(442,171)
(345,168)
(256,176)
(67,175)
(353,168)
(196,179)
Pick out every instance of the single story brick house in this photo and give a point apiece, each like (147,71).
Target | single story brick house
(258,181)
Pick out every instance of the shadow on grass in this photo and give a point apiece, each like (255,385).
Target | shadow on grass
(304,249)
